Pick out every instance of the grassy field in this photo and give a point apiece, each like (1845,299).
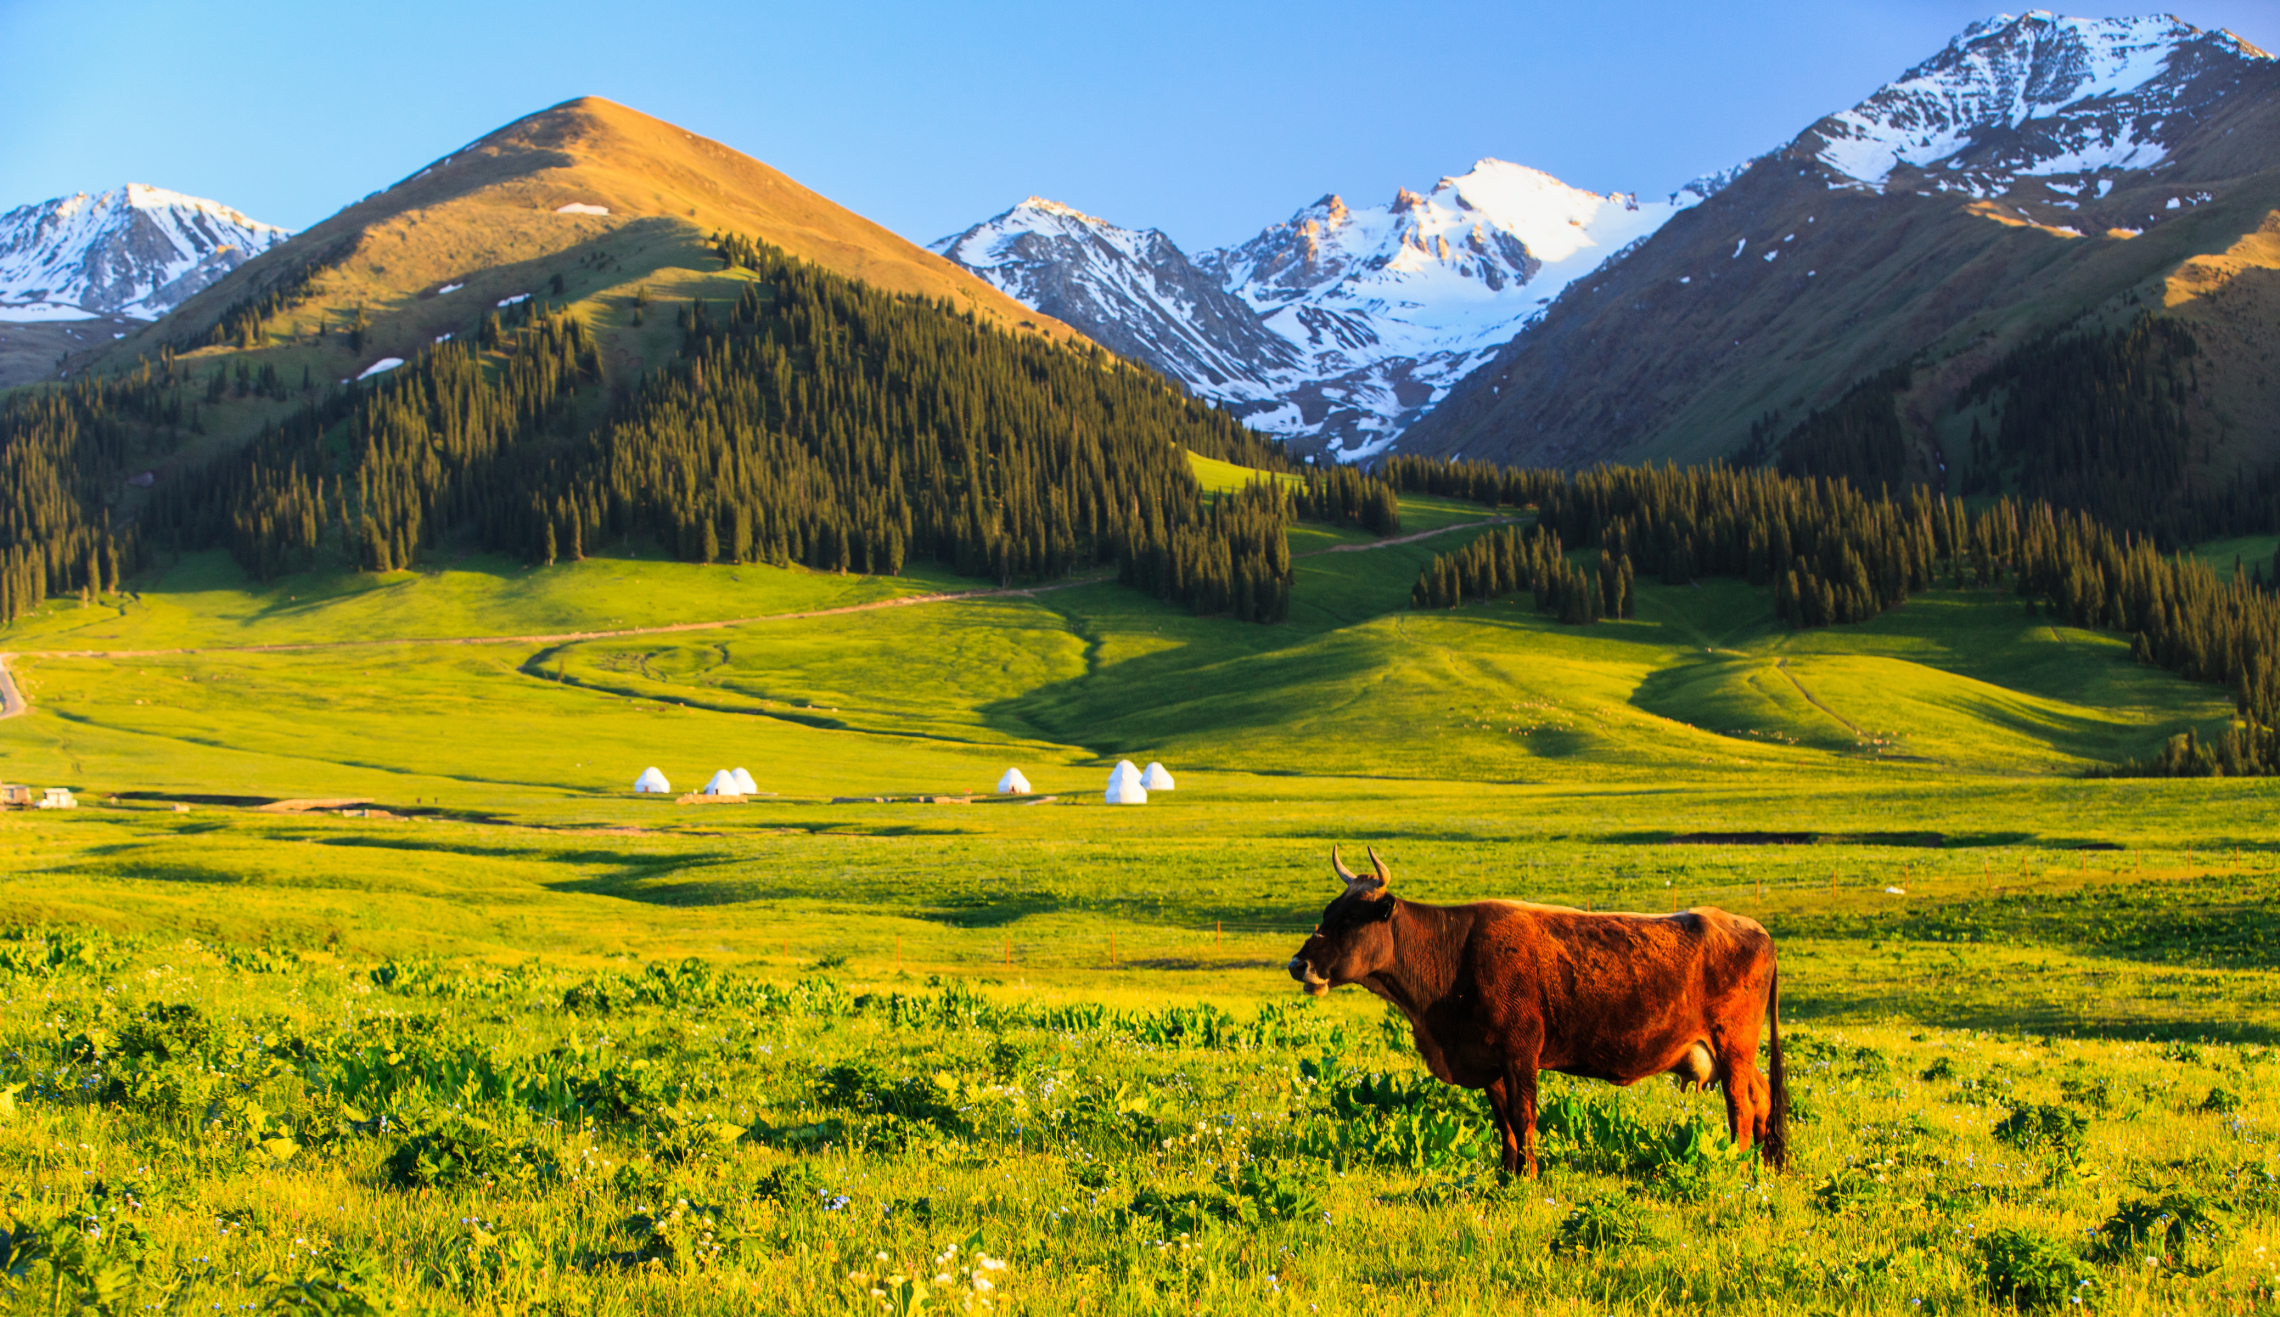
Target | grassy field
(512,1039)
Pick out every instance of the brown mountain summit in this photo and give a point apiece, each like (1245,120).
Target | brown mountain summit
(616,203)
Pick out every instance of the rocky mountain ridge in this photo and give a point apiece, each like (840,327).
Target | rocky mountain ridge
(133,251)
(1337,327)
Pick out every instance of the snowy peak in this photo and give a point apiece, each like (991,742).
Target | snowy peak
(1131,290)
(135,250)
(2036,95)
(1340,325)
(1450,262)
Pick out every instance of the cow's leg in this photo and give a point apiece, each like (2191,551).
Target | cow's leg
(1520,1082)
(1507,1140)
(1748,1099)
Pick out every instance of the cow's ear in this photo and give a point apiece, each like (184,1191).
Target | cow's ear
(1378,907)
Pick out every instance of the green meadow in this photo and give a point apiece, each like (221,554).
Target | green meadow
(486,1032)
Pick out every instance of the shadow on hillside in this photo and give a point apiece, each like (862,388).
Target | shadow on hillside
(994,911)
(649,889)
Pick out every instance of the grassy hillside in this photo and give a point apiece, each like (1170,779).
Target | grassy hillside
(1060,1034)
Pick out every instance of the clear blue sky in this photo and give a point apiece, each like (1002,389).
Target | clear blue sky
(1207,120)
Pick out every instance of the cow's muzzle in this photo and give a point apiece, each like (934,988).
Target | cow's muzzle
(1316,985)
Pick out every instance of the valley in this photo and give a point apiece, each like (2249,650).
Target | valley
(1875,539)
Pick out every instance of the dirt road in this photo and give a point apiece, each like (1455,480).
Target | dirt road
(11,699)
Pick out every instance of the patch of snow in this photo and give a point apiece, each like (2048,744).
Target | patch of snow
(2105,185)
(382,366)
(2174,203)
(1771,254)
(32,312)
(1738,245)
(449,288)
(510,301)
(1686,278)
(581,208)
(444,337)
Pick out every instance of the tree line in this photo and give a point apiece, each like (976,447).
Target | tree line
(63,450)
(1511,559)
(1835,555)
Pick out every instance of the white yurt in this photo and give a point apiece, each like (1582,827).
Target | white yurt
(1013,783)
(652,781)
(1124,785)
(745,786)
(1157,778)
(723,783)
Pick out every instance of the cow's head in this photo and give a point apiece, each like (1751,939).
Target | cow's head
(1353,941)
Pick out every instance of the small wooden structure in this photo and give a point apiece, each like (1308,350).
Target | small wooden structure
(13,796)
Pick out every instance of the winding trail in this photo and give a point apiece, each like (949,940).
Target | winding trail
(1406,539)
(1815,700)
(12,701)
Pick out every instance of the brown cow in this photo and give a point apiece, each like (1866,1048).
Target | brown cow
(1499,990)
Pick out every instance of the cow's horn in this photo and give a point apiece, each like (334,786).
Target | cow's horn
(1384,875)
(1338,866)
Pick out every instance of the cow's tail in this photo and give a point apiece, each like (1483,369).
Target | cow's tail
(1777,1120)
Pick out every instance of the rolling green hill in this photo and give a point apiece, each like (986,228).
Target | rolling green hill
(1705,682)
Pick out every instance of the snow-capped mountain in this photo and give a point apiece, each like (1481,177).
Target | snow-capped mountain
(1132,291)
(2037,96)
(1338,326)
(2036,174)
(136,251)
